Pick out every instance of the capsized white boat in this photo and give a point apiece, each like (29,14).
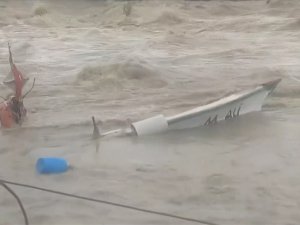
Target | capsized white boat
(224,109)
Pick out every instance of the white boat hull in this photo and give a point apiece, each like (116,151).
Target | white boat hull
(224,109)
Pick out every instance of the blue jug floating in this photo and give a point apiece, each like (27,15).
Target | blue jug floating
(51,165)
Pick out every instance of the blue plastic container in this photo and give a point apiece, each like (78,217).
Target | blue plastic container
(51,165)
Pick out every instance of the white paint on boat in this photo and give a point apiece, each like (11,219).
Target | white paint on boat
(226,108)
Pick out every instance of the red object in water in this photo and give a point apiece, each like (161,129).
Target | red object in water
(12,110)
(18,77)
(6,115)
(19,81)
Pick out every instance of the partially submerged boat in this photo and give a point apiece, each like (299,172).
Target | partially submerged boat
(227,108)
(12,110)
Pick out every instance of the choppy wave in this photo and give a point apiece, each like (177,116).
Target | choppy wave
(121,75)
(282,4)
(168,18)
(291,26)
(292,92)
(40,11)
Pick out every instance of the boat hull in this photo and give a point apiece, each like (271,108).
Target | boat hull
(224,109)
(227,108)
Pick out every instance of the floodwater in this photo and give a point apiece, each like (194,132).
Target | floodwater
(88,59)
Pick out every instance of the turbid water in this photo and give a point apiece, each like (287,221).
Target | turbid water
(88,58)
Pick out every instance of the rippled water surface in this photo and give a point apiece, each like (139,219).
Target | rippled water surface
(88,58)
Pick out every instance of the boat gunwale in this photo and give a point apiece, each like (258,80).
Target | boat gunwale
(268,87)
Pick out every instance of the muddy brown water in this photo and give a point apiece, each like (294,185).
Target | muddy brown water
(165,57)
